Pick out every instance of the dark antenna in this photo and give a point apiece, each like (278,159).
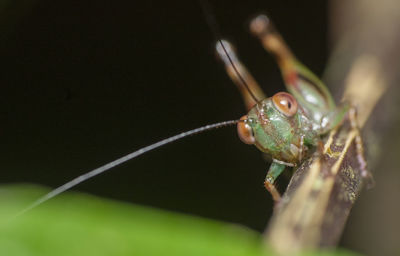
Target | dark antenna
(120,161)
(210,19)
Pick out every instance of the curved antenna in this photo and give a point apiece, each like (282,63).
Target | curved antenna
(120,161)
(217,34)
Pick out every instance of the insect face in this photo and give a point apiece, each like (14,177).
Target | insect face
(275,125)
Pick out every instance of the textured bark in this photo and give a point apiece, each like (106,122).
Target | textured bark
(322,191)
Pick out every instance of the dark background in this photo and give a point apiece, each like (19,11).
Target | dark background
(85,82)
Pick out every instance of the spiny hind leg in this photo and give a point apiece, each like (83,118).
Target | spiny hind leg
(239,74)
(365,173)
(305,86)
(262,27)
(274,171)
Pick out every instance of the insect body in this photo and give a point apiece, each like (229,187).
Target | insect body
(286,125)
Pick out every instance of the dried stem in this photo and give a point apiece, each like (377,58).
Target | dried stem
(317,202)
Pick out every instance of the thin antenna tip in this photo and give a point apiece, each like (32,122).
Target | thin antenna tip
(227,45)
(219,48)
(224,48)
(88,175)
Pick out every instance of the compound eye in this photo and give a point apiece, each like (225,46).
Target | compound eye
(245,132)
(285,103)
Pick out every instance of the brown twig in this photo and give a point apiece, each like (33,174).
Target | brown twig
(317,202)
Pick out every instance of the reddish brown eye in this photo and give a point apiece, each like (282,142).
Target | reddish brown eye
(245,132)
(285,103)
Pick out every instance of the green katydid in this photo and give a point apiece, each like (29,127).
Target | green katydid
(286,125)
(283,126)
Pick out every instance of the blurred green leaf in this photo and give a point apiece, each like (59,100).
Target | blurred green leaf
(79,224)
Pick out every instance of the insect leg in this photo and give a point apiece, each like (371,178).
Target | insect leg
(306,87)
(274,171)
(233,66)
(360,150)
(334,119)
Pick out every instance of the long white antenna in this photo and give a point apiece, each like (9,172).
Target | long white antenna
(119,161)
